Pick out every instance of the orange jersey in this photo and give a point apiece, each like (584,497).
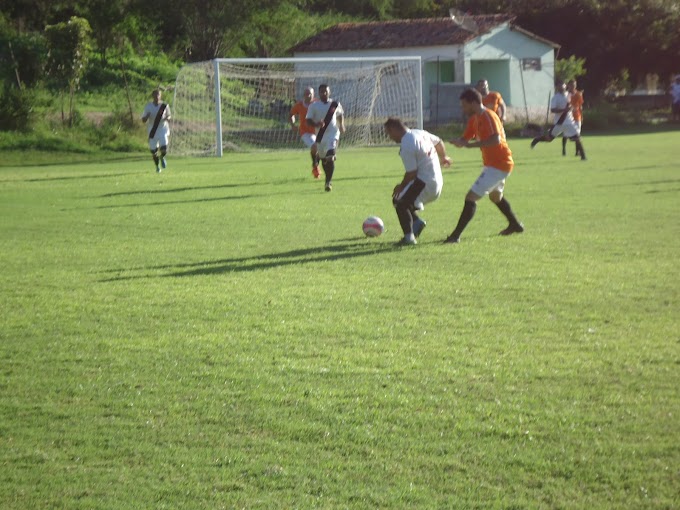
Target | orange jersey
(483,125)
(576,101)
(299,109)
(492,100)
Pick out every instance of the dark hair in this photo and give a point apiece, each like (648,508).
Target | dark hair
(323,86)
(394,122)
(471,96)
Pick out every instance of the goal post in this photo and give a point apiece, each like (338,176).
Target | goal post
(243,104)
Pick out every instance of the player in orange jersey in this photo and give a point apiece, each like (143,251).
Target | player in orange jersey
(307,132)
(492,100)
(485,128)
(576,102)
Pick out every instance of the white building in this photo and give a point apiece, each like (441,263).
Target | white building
(455,53)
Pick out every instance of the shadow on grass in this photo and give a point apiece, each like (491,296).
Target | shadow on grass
(174,190)
(358,247)
(76,177)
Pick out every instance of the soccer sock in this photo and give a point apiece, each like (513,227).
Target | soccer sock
(328,168)
(315,162)
(564,145)
(579,148)
(156,160)
(465,216)
(505,208)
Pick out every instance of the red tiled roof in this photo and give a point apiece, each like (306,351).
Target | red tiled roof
(399,34)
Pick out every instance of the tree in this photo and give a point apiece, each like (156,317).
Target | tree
(570,68)
(68,49)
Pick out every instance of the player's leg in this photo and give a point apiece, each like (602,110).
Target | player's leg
(514,225)
(579,147)
(564,145)
(164,151)
(405,205)
(309,139)
(488,180)
(153,147)
(328,162)
(553,133)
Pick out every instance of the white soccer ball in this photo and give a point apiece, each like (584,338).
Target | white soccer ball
(373,226)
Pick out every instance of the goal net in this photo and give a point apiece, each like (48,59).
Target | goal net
(243,104)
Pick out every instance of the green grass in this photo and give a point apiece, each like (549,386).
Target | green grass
(223,336)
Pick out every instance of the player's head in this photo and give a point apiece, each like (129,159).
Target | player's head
(571,85)
(308,94)
(324,92)
(482,86)
(395,129)
(156,95)
(560,87)
(470,101)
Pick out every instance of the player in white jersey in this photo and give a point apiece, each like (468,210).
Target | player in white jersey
(156,115)
(564,123)
(421,153)
(328,117)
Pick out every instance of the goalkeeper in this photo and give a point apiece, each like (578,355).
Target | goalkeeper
(307,132)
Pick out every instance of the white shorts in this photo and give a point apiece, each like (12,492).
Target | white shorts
(308,139)
(430,193)
(491,179)
(566,129)
(325,145)
(160,140)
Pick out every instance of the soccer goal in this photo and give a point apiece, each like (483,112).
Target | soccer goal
(243,104)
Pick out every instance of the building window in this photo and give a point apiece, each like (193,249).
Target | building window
(531,64)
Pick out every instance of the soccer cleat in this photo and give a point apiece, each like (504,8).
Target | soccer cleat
(405,241)
(534,142)
(329,187)
(163,163)
(452,240)
(418,226)
(512,229)
(158,169)
(315,172)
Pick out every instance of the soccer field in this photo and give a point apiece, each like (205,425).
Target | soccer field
(222,335)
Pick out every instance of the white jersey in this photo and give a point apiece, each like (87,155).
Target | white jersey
(418,152)
(561,101)
(317,112)
(163,126)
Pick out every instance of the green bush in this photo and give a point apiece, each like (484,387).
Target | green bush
(16,108)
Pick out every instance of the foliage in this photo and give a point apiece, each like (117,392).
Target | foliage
(570,68)
(68,50)
(22,55)
(16,108)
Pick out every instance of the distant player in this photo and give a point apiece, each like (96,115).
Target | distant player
(421,152)
(492,100)
(576,102)
(307,132)
(485,128)
(564,120)
(156,115)
(675,97)
(327,116)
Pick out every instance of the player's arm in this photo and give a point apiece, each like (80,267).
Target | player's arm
(145,115)
(441,152)
(494,139)
(341,123)
(291,121)
(501,110)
